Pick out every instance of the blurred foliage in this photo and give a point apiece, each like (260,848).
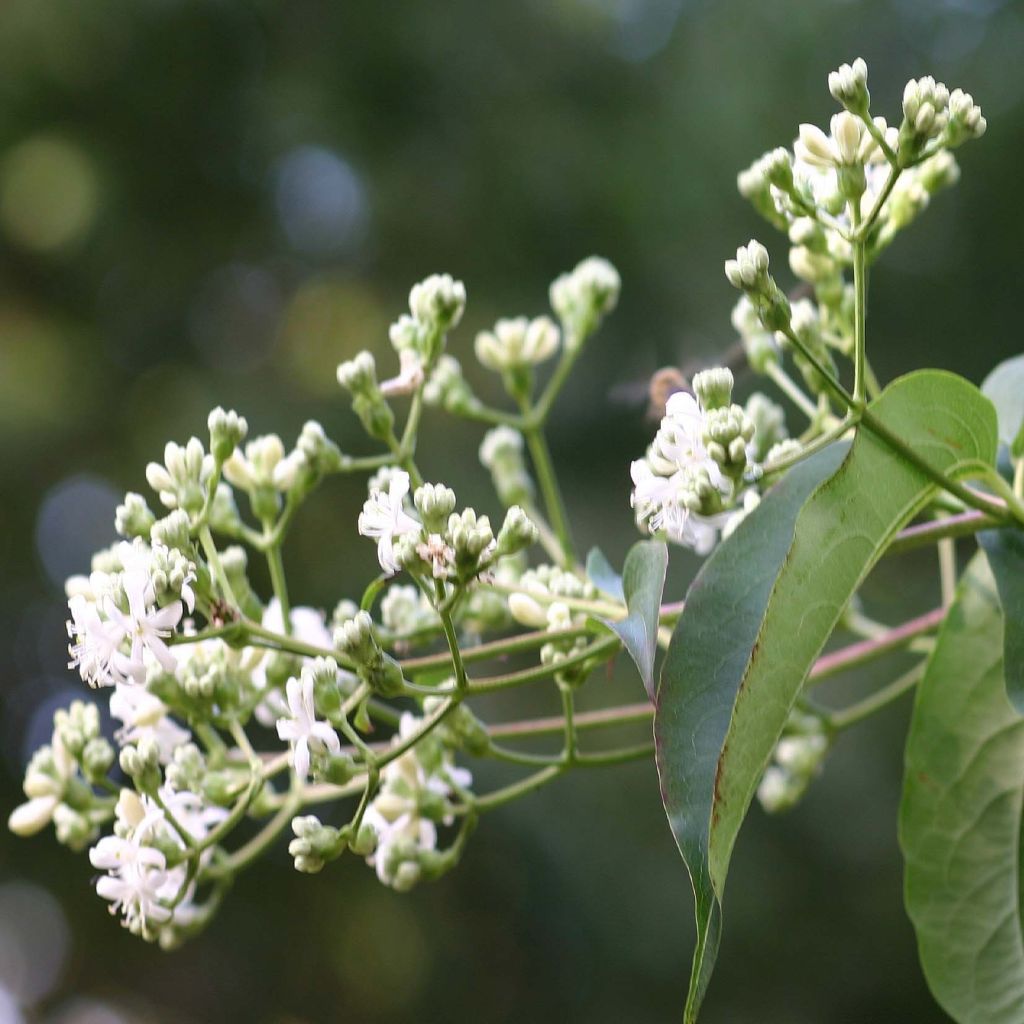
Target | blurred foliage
(208,201)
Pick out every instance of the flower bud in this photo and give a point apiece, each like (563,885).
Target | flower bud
(76,726)
(227,432)
(314,844)
(73,830)
(965,119)
(526,611)
(501,451)
(517,343)
(849,86)
(355,638)
(321,453)
(470,536)
(173,530)
(769,421)
(133,517)
(446,387)
(438,302)
(749,271)
(142,763)
(517,532)
(583,296)
(181,480)
(435,503)
(97,757)
(359,375)
(406,333)
(713,388)
(33,816)
(187,768)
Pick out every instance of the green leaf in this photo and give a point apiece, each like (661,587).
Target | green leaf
(960,818)
(702,672)
(643,582)
(1005,387)
(1005,552)
(762,609)
(603,576)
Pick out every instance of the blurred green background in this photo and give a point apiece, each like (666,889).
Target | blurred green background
(209,201)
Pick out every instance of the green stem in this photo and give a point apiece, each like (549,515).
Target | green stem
(863,709)
(280,587)
(860,306)
(617,756)
(876,209)
(493,417)
(792,391)
(876,133)
(213,558)
(822,441)
(973,499)
(494,649)
(489,684)
(623,715)
(844,396)
(568,708)
(248,852)
(509,793)
(548,540)
(550,491)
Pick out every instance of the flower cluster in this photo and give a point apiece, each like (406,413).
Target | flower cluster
(412,801)
(198,664)
(694,476)
(437,542)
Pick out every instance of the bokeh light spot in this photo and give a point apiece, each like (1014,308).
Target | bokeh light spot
(320,201)
(326,322)
(49,193)
(75,520)
(34,942)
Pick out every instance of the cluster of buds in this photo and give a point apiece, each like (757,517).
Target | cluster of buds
(727,430)
(315,844)
(582,297)
(447,387)
(357,640)
(501,452)
(436,305)
(359,377)
(749,273)
(181,480)
(514,347)
(824,190)
(410,804)
(797,760)
(441,544)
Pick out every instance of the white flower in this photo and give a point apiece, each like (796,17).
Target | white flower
(670,483)
(145,625)
(309,627)
(95,646)
(190,811)
(302,728)
(402,832)
(145,717)
(136,879)
(384,518)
